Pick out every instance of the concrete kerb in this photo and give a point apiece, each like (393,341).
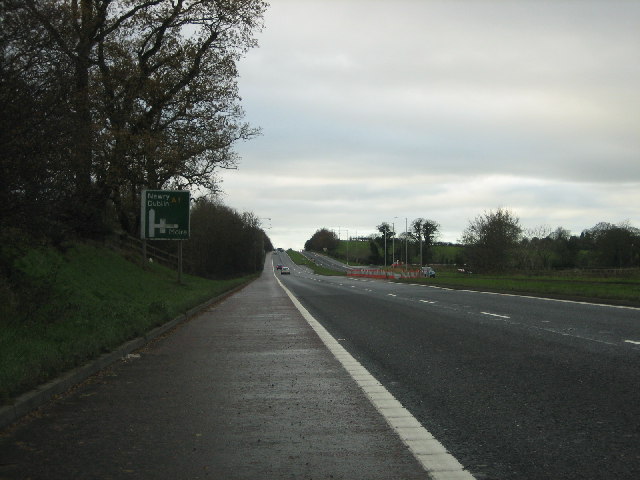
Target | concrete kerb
(27,402)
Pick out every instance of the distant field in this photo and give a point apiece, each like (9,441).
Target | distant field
(356,251)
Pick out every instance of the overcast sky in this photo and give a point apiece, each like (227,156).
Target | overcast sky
(377,111)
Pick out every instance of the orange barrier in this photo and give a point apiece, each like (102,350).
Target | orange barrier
(381,273)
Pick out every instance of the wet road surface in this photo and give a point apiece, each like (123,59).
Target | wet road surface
(245,390)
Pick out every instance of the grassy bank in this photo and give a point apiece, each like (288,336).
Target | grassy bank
(619,290)
(65,308)
(356,251)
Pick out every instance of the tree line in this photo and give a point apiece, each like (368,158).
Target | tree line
(224,242)
(101,99)
(495,242)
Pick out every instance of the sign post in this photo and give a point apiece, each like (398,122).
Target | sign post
(164,215)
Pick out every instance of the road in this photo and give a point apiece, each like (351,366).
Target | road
(244,390)
(327,262)
(513,387)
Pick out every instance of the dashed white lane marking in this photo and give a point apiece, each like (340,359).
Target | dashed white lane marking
(508,321)
(495,315)
(433,457)
(559,300)
(635,342)
(391,295)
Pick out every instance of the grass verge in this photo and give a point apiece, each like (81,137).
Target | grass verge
(71,307)
(616,290)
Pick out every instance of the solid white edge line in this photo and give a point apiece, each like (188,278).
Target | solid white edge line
(429,452)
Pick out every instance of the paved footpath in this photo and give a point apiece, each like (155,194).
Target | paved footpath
(246,390)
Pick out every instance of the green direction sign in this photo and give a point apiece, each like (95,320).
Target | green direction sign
(165,214)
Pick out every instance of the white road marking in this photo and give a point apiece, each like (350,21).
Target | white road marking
(495,315)
(625,307)
(508,321)
(431,454)
(635,342)
(391,295)
(427,301)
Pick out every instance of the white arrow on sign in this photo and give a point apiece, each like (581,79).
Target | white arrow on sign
(162,225)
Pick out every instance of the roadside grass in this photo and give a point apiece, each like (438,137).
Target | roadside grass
(71,307)
(356,252)
(300,259)
(622,290)
(618,288)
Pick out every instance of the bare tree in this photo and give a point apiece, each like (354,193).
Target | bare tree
(154,96)
(386,235)
(426,231)
(36,125)
(614,245)
(536,249)
(223,241)
(323,240)
(491,239)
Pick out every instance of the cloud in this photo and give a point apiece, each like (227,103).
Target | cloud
(373,110)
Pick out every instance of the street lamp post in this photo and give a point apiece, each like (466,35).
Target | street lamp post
(393,241)
(347,246)
(386,228)
(406,243)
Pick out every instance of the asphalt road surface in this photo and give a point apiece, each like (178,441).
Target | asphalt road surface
(246,390)
(513,387)
(325,261)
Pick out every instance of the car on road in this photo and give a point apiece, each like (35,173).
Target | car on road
(285,271)
(278,267)
(428,272)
